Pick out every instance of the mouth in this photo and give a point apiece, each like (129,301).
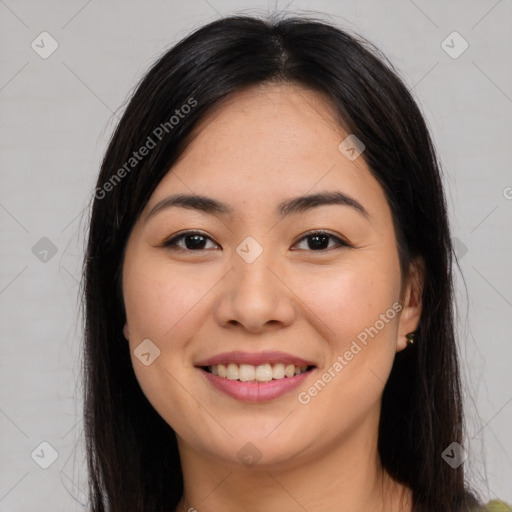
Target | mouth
(256,377)
(265,372)
(256,366)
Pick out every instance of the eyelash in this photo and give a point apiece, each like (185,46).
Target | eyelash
(172,242)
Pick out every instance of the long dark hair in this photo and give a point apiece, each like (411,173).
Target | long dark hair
(132,454)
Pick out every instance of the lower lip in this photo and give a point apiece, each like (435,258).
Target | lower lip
(255,392)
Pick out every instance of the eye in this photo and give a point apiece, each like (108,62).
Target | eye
(319,239)
(193,240)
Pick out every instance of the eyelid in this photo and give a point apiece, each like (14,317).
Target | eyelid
(170,243)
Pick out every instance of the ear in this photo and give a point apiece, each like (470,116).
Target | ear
(126,332)
(412,306)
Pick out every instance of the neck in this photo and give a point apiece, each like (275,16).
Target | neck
(346,478)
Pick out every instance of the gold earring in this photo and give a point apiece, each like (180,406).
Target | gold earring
(410,337)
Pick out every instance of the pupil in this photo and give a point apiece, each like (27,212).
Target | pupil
(198,241)
(316,245)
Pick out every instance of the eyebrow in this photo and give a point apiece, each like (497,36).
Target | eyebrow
(288,207)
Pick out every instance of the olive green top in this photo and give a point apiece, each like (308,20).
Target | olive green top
(494,506)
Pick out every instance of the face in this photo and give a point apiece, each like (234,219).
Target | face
(253,285)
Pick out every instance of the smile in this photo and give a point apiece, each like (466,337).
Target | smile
(260,373)
(255,377)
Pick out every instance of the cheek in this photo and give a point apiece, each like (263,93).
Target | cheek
(352,298)
(162,305)
(157,298)
(356,306)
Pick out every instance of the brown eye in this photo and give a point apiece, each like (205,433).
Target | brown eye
(319,241)
(196,241)
(192,241)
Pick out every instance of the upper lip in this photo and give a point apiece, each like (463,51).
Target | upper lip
(254,358)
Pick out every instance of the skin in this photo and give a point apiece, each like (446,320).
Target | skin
(264,145)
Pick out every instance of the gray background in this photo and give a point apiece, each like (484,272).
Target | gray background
(58,114)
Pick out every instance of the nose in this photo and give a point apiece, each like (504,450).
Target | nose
(256,297)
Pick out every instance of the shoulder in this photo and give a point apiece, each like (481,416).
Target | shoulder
(493,506)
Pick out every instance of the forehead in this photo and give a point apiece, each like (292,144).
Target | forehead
(268,143)
(287,119)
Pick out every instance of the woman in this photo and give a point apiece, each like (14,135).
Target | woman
(268,286)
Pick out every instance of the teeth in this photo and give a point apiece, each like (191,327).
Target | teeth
(289,371)
(246,372)
(278,371)
(261,373)
(232,372)
(264,372)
